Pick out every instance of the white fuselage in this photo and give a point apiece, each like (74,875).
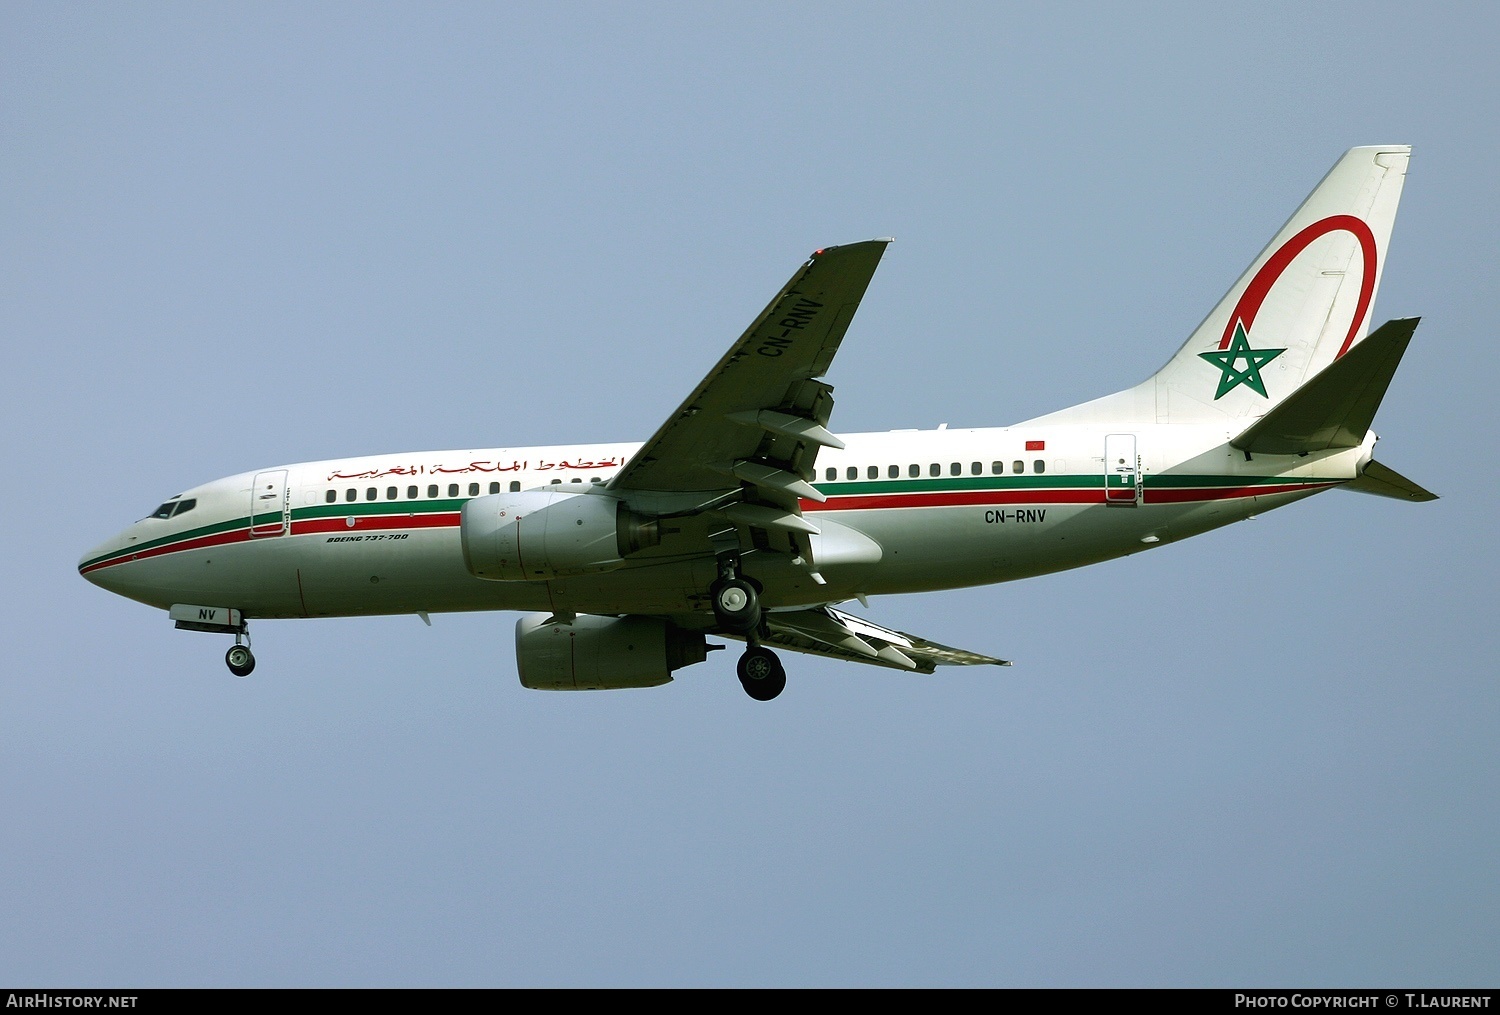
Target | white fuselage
(906,511)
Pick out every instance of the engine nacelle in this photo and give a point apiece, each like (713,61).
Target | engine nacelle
(540,534)
(602,653)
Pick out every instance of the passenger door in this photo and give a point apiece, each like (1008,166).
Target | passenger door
(268,504)
(1122,470)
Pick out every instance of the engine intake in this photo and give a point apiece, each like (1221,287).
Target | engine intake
(540,534)
(602,653)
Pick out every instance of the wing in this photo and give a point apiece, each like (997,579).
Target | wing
(824,631)
(745,441)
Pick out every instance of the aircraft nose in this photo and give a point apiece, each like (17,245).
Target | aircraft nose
(92,564)
(126,566)
(106,564)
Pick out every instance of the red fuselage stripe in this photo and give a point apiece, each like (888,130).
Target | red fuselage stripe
(870,502)
(217,539)
(364,523)
(958,498)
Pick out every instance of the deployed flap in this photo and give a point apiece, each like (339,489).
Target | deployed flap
(825,631)
(772,367)
(1383,482)
(1335,408)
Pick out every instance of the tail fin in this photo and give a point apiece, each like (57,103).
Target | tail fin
(1303,303)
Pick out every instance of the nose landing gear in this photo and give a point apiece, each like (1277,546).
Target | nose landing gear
(239,658)
(219,620)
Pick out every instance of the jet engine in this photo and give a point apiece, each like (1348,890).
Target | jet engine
(540,534)
(602,653)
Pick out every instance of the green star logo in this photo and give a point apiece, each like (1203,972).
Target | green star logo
(1239,349)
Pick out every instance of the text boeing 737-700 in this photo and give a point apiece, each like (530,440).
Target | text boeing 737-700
(744,516)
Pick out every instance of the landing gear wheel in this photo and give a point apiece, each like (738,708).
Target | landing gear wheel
(761,674)
(239,660)
(736,605)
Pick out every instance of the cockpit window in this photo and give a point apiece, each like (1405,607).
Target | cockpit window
(175,506)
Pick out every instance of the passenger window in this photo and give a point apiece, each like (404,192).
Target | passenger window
(557,482)
(432,490)
(913,470)
(411,493)
(1018,466)
(473,489)
(494,488)
(515,486)
(934,469)
(956,469)
(894,472)
(830,474)
(873,472)
(330,497)
(998,468)
(453,489)
(390,493)
(853,472)
(977,468)
(370,493)
(351,495)
(1039,466)
(576,479)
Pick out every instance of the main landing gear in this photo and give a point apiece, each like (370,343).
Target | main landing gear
(736,600)
(736,604)
(761,673)
(240,659)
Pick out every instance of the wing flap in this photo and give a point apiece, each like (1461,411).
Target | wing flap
(769,518)
(825,631)
(787,425)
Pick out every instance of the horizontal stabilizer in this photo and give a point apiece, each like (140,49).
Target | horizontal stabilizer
(1334,409)
(1383,482)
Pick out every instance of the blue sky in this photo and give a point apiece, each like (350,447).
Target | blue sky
(237,236)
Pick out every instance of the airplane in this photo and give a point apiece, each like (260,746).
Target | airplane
(745,517)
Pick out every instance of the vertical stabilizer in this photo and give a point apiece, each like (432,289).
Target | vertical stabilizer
(1304,302)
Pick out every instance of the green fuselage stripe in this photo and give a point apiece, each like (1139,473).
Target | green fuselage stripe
(941,484)
(388,507)
(834,490)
